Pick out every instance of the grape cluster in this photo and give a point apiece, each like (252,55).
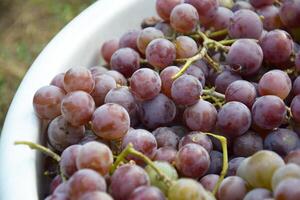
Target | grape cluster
(201,103)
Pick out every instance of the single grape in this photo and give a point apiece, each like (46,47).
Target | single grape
(77,108)
(55,182)
(166,137)
(295,108)
(96,196)
(216,162)
(58,81)
(288,189)
(185,47)
(271,17)
(206,8)
(166,79)
(180,130)
(296,86)
(197,138)
(166,28)
(192,160)
(119,78)
(78,78)
(63,188)
(108,48)
(290,13)
(164,8)
(186,90)
(232,187)
(205,68)
(125,179)
(233,165)
(145,84)
(146,36)
(293,157)
(167,154)
(268,112)
(126,61)
(238,5)
(146,193)
(184,18)
(209,181)
(197,72)
(68,160)
(160,53)
(224,79)
(110,121)
(258,194)
(103,84)
(201,116)
(47,100)
(290,170)
(221,19)
(247,144)
(62,134)
(97,71)
(129,39)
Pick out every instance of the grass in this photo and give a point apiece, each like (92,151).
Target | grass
(25,28)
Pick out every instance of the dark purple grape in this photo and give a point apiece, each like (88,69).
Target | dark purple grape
(197,138)
(186,90)
(246,56)
(196,72)
(103,84)
(201,116)
(221,19)
(232,187)
(290,13)
(192,160)
(247,144)
(126,61)
(216,162)
(165,137)
(245,24)
(165,7)
(271,17)
(281,141)
(295,108)
(225,79)
(209,181)
(258,194)
(77,108)
(110,121)
(261,3)
(288,189)
(126,179)
(186,47)
(119,78)
(234,119)
(166,79)
(146,36)
(62,134)
(238,5)
(157,112)
(268,112)
(180,130)
(47,100)
(146,193)
(165,28)
(296,86)
(233,165)
(160,53)
(167,154)
(96,196)
(129,39)
(206,8)
(293,157)
(241,91)
(108,48)
(145,84)
(68,160)
(58,81)
(184,18)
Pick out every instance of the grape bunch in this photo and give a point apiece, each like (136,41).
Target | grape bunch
(201,103)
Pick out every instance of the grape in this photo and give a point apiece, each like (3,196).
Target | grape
(258,194)
(293,157)
(281,141)
(297,62)
(209,181)
(268,112)
(103,84)
(126,61)
(125,179)
(247,55)
(119,78)
(145,84)
(142,141)
(184,18)
(146,36)
(47,100)
(55,182)
(166,79)
(290,13)
(68,160)
(277,46)
(258,169)
(160,53)
(129,39)
(232,187)
(167,154)
(241,91)
(234,119)
(261,3)
(295,108)
(192,160)
(245,24)
(233,165)
(201,116)
(85,180)
(78,78)
(166,169)
(197,138)
(90,136)
(108,48)
(124,97)
(63,188)
(96,156)
(165,28)
(296,86)
(186,90)
(216,161)
(288,189)
(77,108)
(288,171)
(164,8)
(247,144)
(150,22)
(225,79)
(165,137)
(222,19)
(110,121)
(196,72)
(271,17)
(62,134)
(187,189)
(185,47)
(58,81)
(157,112)
(146,193)
(180,130)
(96,196)
(206,8)
(98,70)
(203,66)
(238,5)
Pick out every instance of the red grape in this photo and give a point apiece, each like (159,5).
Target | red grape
(147,193)
(164,8)
(68,160)
(185,47)
(96,196)
(271,17)
(233,165)
(258,194)
(290,13)
(232,187)
(129,39)
(206,8)
(165,137)
(166,79)
(197,138)
(146,36)
(261,3)
(288,189)
(119,78)
(103,84)
(167,154)
(293,157)
(295,108)
(58,81)
(209,181)
(108,48)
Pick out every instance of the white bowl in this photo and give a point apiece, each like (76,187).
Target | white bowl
(78,44)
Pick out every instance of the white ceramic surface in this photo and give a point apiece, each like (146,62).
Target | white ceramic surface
(77,44)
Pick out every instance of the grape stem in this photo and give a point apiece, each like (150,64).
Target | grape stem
(227,42)
(212,92)
(130,150)
(218,33)
(223,141)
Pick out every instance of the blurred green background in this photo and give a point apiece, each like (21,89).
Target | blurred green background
(26,26)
